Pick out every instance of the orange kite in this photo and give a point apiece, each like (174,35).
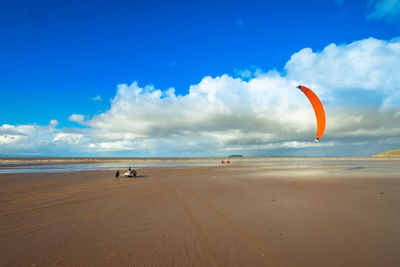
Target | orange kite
(318,109)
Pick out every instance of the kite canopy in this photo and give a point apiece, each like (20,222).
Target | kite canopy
(318,109)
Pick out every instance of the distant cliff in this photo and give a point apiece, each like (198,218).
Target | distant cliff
(388,154)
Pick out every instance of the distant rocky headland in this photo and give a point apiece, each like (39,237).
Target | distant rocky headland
(236,156)
(388,154)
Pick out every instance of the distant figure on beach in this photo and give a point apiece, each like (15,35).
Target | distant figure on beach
(222,161)
(117,174)
(129,168)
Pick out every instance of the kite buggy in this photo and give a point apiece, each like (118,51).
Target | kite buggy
(129,173)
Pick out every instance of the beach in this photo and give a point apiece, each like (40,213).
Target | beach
(228,215)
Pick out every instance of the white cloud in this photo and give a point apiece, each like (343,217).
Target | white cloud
(217,109)
(362,72)
(244,73)
(226,113)
(369,64)
(54,123)
(25,136)
(389,10)
(97,98)
(10,134)
(248,73)
(76,118)
(261,114)
(68,138)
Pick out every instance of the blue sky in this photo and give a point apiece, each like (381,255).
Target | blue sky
(60,58)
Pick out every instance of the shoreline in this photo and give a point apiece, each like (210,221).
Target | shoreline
(348,164)
(62,160)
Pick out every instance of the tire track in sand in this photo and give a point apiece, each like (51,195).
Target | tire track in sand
(195,224)
(248,240)
(50,194)
(65,203)
(85,216)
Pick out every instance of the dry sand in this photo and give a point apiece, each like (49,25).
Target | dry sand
(200,216)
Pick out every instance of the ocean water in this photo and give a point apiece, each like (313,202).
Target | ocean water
(282,165)
(39,167)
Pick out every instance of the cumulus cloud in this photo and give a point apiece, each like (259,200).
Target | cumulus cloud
(76,118)
(364,72)
(26,138)
(265,110)
(369,64)
(54,123)
(259,113)
(388,10)
(36,140)
(216,113)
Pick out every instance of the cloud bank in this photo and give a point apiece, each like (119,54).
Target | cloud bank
(256,114)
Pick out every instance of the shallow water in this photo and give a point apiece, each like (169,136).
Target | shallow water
(99,166)
(291,166)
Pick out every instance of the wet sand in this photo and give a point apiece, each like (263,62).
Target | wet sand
(201,216)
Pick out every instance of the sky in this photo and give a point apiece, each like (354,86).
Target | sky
(198,78)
